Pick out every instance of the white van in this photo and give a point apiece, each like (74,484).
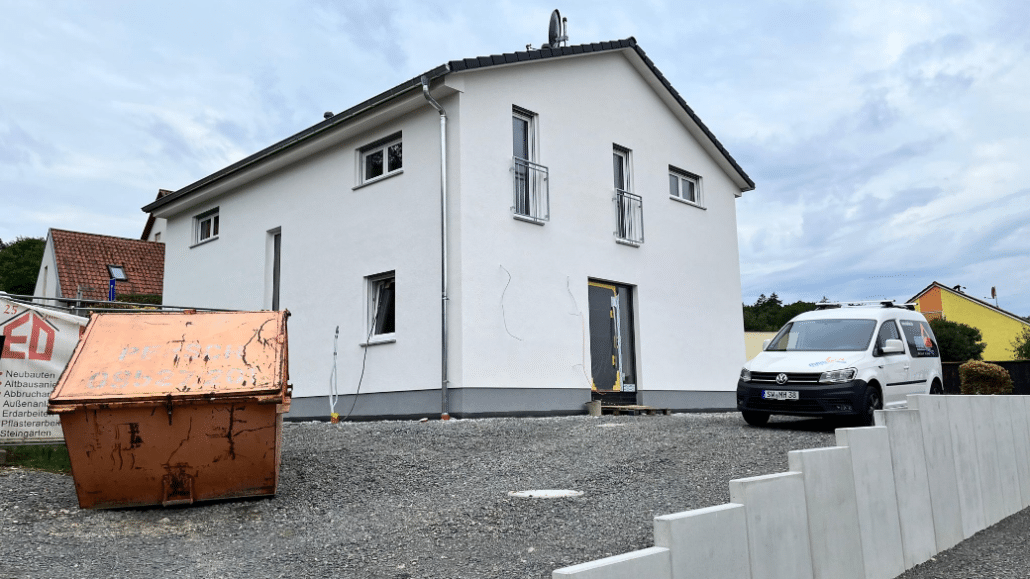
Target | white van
(842,359)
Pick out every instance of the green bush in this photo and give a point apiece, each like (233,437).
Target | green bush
(1021,345)
(984,378)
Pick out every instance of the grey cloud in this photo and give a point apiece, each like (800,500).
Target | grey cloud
(876,113)
(174,146)
(932,50)
(18,147)
(371,24)
(936,54)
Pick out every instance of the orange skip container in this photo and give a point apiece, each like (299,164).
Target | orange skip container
(173,408)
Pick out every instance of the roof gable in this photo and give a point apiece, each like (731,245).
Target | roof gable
(704,134)
(82,260)
(943,288)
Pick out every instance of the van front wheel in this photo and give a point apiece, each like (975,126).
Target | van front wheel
(755,418)
(873,402)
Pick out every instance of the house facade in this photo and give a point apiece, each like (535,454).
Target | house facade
(512,234)
(79,265)
(998,328)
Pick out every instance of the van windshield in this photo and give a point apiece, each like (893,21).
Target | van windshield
(824,335)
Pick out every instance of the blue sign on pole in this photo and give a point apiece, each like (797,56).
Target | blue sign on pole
(110,292)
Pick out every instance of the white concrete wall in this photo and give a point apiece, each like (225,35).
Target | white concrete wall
(47,281)
(709,542)
(873,495)
(332,237)
(157,231)
(685,276)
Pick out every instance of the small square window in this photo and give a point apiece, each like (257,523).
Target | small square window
(684,186)
(117,272)
(206,226)
(382,300)
(382,158)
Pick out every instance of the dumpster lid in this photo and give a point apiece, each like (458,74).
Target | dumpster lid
(181,355)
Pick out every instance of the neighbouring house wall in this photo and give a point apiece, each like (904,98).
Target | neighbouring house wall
(528,330)
(333,235)
(47,282)
(753,342)
(998,331)
(157,231)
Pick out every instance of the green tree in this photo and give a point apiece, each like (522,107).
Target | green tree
(19,265)
(957,342)
(1021,345)
(768,314)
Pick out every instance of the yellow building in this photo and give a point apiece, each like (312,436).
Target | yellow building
(753,342)
(998,328)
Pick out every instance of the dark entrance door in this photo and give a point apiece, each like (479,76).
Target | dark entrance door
(613,368)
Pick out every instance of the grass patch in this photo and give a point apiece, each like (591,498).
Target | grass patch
(51,458)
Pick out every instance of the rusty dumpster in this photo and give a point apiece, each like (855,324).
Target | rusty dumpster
(173,408)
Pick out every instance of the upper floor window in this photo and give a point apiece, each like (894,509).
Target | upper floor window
(622,168)
(629,208)
(684,186)
(205,226)
(530,199)
(381,158)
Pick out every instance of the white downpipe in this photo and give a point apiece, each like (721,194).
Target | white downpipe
(444,410)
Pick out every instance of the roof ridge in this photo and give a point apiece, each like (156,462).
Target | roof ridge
(52,229)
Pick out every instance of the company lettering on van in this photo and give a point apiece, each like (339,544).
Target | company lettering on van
(828,360)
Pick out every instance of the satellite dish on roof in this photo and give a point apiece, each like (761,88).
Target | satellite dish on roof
(557,31)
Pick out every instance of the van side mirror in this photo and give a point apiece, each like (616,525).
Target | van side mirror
(765,343)
(893,346)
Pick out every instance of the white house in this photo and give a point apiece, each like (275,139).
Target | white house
(512,234)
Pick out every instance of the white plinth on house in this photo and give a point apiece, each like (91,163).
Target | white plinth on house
(591,242)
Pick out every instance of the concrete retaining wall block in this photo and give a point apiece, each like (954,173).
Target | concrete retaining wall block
(876,500)
(940,468)
(1020,437)
(834,534)
(709,543)
(1008,470)
(651,562)
(777,525)
(967,465)
(987,455)
(911,484)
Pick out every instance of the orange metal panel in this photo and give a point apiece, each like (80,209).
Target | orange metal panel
(170,409)
(150,355)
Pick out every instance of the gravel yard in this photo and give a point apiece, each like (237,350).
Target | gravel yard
(409,499)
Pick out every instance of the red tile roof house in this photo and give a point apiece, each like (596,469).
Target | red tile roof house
(81,265)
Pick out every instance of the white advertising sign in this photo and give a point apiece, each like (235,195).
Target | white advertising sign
(37,344)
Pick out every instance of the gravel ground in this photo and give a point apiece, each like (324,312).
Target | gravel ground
(411,500)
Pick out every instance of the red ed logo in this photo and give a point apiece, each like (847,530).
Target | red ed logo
(28,335)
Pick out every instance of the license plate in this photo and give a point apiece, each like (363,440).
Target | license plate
(780,395)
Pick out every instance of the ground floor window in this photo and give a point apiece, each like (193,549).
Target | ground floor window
(382,301)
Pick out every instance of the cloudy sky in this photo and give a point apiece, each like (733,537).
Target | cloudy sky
(887,138)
